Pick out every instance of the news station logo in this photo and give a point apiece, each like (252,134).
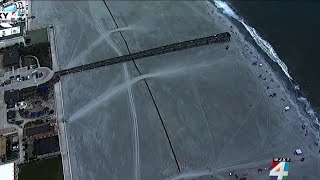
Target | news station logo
(280,169)
(13,11)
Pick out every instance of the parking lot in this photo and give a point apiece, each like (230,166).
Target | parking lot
(40,102)
(25,77)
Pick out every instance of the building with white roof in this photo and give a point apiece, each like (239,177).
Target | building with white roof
(13,35)
(7,171)
(13,21)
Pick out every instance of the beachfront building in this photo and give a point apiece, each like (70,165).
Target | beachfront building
(8,171)
(11,58)
(2,149)
(13,35)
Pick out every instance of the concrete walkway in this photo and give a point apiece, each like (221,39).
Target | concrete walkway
(63,140)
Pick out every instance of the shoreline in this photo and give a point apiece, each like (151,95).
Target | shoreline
(291,86)
(309,91)
(291,92)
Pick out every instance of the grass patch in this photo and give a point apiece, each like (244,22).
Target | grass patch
(47,169)
(41,51)
(38,35)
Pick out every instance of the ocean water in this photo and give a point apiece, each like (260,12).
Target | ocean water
(288,32)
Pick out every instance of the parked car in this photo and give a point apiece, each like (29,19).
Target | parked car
(33,114)
(34,72)
(7,82)
(33,66)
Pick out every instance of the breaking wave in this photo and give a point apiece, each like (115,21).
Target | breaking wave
(309,109)
(268,49)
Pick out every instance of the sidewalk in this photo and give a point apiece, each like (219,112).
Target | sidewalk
(28,21)
(55,65)
(63,139)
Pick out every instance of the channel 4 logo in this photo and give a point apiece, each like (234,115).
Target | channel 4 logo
(11,12)
(280,169)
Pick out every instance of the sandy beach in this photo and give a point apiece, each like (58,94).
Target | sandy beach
(195,113)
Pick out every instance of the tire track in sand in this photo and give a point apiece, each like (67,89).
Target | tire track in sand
(136,149)
(205,117)
(136,144)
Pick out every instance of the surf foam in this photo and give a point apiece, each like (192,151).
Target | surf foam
(268,49)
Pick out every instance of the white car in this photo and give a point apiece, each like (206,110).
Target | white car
(34,72)
(21,105)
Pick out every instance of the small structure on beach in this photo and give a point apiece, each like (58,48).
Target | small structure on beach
(298,152)
(254,63)
(287,108)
